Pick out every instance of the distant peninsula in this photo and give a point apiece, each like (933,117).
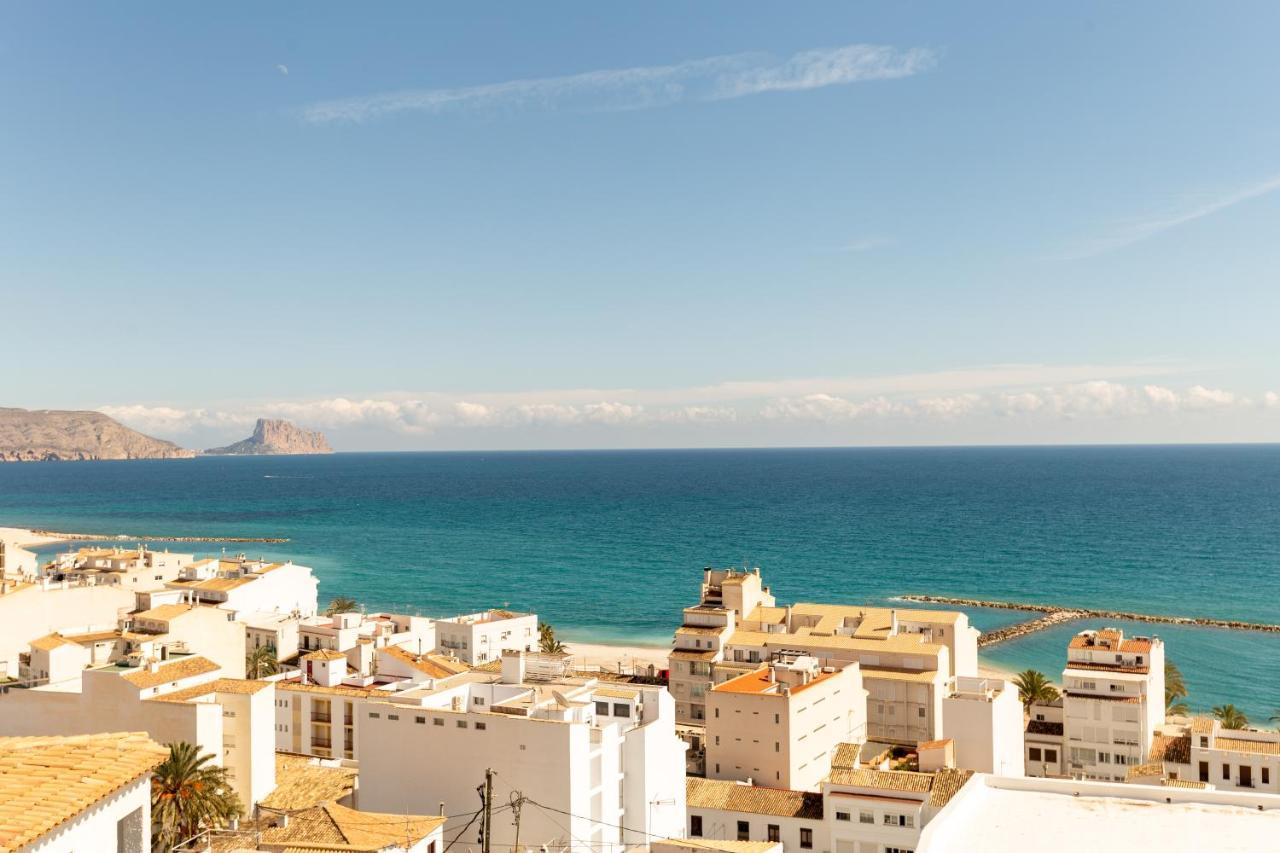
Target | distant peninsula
(276,438)
(46,435)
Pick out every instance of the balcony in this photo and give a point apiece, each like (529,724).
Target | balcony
(321,717)
(321,743)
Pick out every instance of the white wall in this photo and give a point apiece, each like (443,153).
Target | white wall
(35,612)
(121,822)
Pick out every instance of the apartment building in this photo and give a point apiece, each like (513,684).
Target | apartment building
(60,794)
(137,568)
(1044,740)
(183,699)
(17,563)
(250,586)
(29,610)
(1245,760)
(1003,814)
(906,657)
(479,638)
(780,725)
(982,717)
(1112,702)
(601,760)
(858,810)
(190,629)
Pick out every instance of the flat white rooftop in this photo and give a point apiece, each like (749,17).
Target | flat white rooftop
(1046,815)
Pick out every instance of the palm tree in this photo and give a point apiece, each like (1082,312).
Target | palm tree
(1034,688)
(1174,689)
(261,662)
(341,604)
(1231,716)
(188,796)
(547,641)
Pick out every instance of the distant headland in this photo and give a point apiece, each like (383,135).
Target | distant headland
(47,435)
(276,437)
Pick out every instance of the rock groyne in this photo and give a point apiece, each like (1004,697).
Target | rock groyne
(100,537)
(1056,615)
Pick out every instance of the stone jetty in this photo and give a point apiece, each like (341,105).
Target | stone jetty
(102,537)
(1056,615)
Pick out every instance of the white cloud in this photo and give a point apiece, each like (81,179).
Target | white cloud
(1271,400)
(866,244)
(711,79)
(1143,229)
(283,69)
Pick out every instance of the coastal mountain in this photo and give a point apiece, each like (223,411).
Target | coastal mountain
(276,437)
(48,435)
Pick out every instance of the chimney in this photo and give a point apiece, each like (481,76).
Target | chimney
(893,623)
(153,665)
(513,666)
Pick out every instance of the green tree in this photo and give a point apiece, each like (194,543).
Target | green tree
(188,796)
(261,662)
(341,604)
(1174,689)
(1230,716)
(547,641)
(1033,687)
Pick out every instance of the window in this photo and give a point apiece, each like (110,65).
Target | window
(462,724)
(695,825)
(1226,771)
(774,833)
(898,820)
(776,717)
(437,721)
(479,700)
(1204,771)
(806,839)
(422,721)
(1033,753)
(374,715)
(842,816)
(621,710)
(895,850)
(777,746)
(866,817)
(1266,775)
(1040,717)
(919,712)
(744,830)
(717,713)
(393,716)
(1051,755)
(482,726)
(602,708)
(1204,742)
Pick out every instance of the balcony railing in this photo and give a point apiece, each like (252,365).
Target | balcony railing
(321,717)
(321,743)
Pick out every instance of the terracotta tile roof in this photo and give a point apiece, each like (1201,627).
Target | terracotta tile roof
(933,744)
(1107,667)
(164,612)
(1140,771)
(50,642)
(696,844)
(1202,725)
(616,693)
(324,654)
(1183,783)
(689,654)
(846,756)
(436,666)
(947,782)
(1123,700)
(1253,747)
(94,637)
(889,780)
(1175,750)
(1044,727)
(890,674)
(242,686)
(302,782)
(752,799)
(46,781)
(701,630)
(339,690)
(760,683)
(174,670)
(331,823)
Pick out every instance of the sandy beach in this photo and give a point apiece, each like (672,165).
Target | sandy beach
(23,537)
(607,655)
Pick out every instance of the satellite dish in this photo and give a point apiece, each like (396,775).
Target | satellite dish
(560,698)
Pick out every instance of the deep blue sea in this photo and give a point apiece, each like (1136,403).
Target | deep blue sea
(610,545)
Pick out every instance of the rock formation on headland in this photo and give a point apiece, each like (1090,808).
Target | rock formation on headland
(46,435)
(275,437)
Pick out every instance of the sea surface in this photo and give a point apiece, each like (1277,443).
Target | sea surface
(609,546)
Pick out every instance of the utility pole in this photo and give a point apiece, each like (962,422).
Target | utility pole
(517,802)
(486,822)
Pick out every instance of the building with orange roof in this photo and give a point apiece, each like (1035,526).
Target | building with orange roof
(1112,702)
(137,568)
(780,724)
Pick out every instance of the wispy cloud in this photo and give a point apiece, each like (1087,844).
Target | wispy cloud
(1143,229)
(866,244)
(711,79)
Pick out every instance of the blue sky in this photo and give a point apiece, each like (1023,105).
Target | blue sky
(548,225)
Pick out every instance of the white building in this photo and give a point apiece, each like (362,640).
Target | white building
(17,563)
(1000,814)
(780,725)
(906,657)
(137,568)
(1245,760)
(183,699)
(250,586)
(596,757)
(478,638)
(65,794)
(983,719)
(1112,702)
(32,610)
(1044,740)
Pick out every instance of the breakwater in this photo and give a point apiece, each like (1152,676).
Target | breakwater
(1057,615)
(100,537)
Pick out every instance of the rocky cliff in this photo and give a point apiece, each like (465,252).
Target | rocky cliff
(45,435)
(274,437)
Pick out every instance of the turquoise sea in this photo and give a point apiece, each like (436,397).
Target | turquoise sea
(609,546)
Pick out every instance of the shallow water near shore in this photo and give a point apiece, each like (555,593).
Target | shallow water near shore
(609,545)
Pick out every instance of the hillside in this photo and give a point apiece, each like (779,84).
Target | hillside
(48,435)
(276,437)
